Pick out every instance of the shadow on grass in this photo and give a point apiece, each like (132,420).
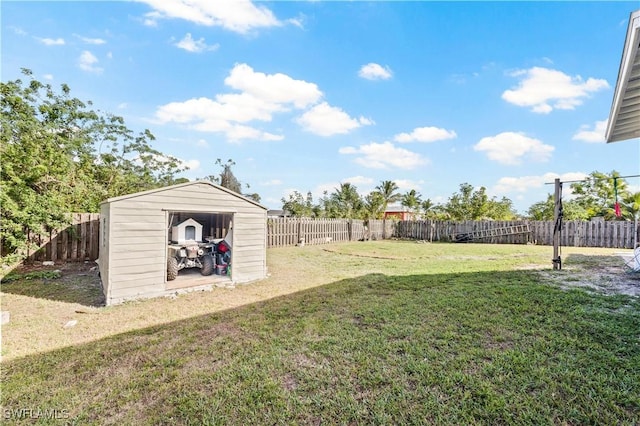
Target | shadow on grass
(462,348)
(69,282)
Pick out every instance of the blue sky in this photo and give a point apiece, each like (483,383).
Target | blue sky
(304,95)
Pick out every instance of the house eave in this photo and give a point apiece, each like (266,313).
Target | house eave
(624,117)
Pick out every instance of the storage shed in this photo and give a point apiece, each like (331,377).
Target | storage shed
(135,231)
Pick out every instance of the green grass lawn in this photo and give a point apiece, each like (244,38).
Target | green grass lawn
(381,333)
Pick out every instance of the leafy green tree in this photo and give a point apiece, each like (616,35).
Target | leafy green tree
(630,206)
(467,204)
(545,210)
(471,204)
(501,209)
(428,209)
(299,205)
(60,156)
(596,195)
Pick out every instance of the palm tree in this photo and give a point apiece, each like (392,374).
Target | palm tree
(347,201)
(389,191)
(374,205)
(427,207)
(631,205)
(411,200)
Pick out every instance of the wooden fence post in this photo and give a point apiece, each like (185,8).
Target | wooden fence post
(557,214)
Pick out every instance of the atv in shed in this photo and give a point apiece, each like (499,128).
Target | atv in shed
(187,251)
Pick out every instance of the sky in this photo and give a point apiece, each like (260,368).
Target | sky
(305,95)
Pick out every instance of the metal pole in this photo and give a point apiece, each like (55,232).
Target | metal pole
(635,232)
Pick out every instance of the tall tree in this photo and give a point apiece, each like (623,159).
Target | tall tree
(411,200)
(298,205)
(60,156)
(388,189)
(472,204)
(227,179)
(346,201)
(374,205)
(428,209)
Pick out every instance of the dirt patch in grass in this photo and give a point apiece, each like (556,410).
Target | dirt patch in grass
(73,282)
(602,274)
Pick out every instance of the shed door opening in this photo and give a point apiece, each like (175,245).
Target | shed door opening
(199,248)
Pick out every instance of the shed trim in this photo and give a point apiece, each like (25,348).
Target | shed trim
(204,211)
(180,185)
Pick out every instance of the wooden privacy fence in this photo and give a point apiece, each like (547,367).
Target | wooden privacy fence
(283,232)
(80,241)
(464,231)
(575,233)
(615,234)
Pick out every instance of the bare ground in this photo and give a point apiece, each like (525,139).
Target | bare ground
(602,274)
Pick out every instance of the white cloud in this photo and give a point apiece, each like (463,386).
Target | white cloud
(239,16)
(51,41)
(195,46)
(595,135)
(325,120)
(239,132)
(372,71)
(384,155)
(17,30)
(297,22)
(89,40)
(320,189)
(87,62)
(275,88)
(123,105)
(425,134)
(48,76)
(202,143)
(358,180)
(260,97)
(510,148)
(408,184)
(544,89)
(216,115)
(272,182)
(192,165)
(522,184)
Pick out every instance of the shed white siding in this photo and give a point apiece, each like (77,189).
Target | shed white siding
(133,264)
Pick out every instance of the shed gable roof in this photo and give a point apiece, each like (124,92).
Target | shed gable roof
(181,185)
(624,118)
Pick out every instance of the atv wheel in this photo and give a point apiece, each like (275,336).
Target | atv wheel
(172,268)
(207,265)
